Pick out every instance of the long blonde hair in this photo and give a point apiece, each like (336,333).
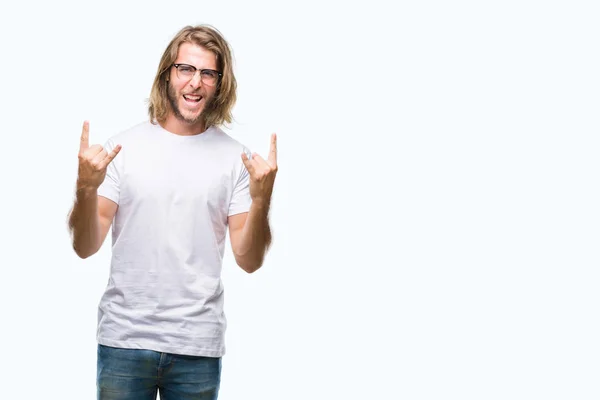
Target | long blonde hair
(211,39)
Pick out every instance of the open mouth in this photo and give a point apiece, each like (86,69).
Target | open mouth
(192,99)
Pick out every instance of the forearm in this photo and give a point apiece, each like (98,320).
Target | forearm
(84,223)
(255,238)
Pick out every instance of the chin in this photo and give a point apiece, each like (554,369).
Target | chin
(191,116)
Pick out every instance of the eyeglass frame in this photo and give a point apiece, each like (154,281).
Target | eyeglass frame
(219,74)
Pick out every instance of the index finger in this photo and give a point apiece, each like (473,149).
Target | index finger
(273,152)
(85,137)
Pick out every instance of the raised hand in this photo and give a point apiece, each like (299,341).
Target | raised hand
(262,173)
(92,161)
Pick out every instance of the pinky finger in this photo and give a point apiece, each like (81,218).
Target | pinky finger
(247,162)
(111,156)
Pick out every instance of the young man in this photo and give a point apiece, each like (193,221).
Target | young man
(172,192)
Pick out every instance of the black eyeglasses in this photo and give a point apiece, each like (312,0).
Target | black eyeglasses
(207,76)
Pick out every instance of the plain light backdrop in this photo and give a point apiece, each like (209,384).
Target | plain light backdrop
(435,215)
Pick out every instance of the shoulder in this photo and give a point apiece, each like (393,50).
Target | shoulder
(227,141)
(229,151)
(133,133)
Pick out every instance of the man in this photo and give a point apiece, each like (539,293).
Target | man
(172,192)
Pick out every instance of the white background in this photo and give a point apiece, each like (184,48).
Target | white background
(435,216)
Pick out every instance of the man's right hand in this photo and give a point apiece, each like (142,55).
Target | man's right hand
(92,161)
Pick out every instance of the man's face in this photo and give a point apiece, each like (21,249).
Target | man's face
(189,97)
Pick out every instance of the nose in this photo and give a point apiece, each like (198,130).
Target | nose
(196,80)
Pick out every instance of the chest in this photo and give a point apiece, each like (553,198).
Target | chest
(176,176)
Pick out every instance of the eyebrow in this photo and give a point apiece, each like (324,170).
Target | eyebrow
(192,65)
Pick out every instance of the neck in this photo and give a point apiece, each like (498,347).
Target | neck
(178,127)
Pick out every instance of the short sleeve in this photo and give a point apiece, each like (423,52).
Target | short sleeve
(240,198)
(110,187)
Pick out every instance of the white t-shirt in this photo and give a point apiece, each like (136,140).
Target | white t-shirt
(174,194)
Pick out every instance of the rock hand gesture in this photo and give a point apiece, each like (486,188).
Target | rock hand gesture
(262,173)
(93,161)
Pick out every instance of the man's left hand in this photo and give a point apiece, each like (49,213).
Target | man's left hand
(262,173)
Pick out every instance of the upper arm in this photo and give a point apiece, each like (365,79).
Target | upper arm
(106,213)
(236,224)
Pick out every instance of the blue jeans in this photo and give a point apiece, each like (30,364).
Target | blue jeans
(132,374)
